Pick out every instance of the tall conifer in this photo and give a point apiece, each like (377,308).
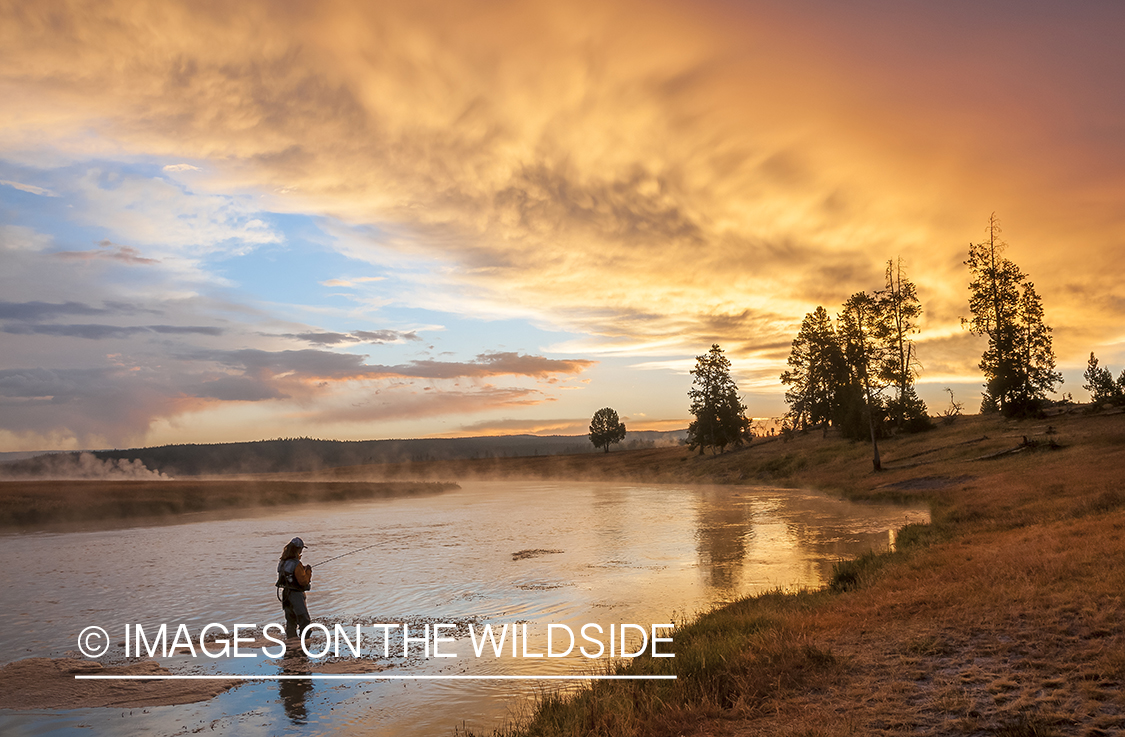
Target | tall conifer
(720,416)
(865,353)
(816,371)
(1019,363)
(900,309)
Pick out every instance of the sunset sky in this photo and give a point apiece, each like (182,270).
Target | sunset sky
(233,221)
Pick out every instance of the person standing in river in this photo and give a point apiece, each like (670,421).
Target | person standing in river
(294,578)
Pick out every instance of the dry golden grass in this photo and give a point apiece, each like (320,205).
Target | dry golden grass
(806,460)
(1014,624)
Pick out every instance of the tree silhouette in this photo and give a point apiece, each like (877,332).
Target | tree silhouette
(1100,383)
(720,416)
(865,354)
(1036,373)
(817,370)
(606,428)
(1019,363)
(899,310)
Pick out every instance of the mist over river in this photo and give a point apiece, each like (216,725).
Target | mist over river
(526,553)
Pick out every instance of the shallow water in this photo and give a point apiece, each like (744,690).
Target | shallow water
(611,554)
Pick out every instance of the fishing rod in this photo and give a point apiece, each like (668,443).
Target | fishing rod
(341,555)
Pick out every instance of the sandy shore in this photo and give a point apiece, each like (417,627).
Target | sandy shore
(50,683)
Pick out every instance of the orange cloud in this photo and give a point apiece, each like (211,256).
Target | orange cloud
(654,176)
(524,427)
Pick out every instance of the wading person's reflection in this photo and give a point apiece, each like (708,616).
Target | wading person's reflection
(293,694)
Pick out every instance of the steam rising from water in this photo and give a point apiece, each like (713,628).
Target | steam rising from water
(68,466)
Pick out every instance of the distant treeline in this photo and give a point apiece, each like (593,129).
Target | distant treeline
(286,455)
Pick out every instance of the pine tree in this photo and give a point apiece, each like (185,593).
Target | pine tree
(816,372)
(1018,363)
(865,353)
(1036,366)
(1100,383)
(720,416)
(900,309)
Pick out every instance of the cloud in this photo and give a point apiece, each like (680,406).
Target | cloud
(356,336)
(385,336)
(168,218)
(410,402)
(318,364)
(489,364)
(32,311)
(351,282)
(115,404)
(93,406)
(15,238)
(530,427)
(181,167)
(29,188)
(31,383)
(646,177)
(184,329)
(102,332)
(235,389)
(322,338)
(109,251)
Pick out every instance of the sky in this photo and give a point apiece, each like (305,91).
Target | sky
(236,221)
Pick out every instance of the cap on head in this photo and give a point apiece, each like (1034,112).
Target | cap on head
(297,542)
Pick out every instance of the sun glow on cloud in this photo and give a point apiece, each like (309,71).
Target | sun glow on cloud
(628,182)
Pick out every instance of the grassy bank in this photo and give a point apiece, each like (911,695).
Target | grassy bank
(27,505)
(805,461)
(1004,616)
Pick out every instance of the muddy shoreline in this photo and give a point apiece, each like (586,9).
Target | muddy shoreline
(50,683)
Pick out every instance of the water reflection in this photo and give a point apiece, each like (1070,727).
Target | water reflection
(722,529)
(294,692)
(764,538)
(613,518)
(603,553)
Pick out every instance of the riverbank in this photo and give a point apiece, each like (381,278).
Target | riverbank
(53,505)
(1003,616)
(805,461)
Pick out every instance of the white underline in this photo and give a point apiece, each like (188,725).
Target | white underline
(372,676)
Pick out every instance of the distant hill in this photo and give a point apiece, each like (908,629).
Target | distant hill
(286,455)
(18,455)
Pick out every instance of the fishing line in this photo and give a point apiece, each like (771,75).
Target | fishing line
(350,552)
(341,555)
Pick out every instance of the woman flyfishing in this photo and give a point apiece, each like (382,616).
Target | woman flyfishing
(293,580)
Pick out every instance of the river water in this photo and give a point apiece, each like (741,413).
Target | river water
(516,553)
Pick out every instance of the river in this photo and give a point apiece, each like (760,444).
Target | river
(517,553)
